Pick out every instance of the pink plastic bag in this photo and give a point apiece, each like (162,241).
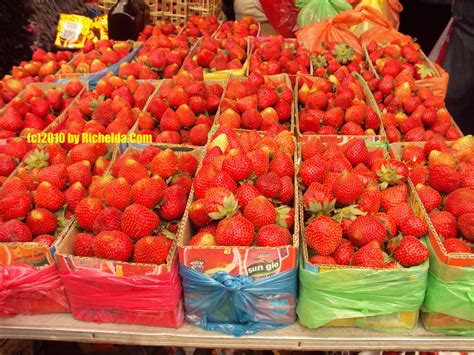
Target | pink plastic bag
(282,15)
(98,296)
(25,289)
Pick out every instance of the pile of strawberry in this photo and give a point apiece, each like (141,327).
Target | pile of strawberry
(355,201)
(160,27)
(256,102)
(198,26)
(182,112)
(444,181)
(30,114)
(335,106)
(275,55)
(242,28)
(336,55)
(161,56)
(97,56)
(37,202)
(244,191)
(112,107)
(135,215)
(41,68)
(218,54)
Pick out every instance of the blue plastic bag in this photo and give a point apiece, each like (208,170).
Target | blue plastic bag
(239,305)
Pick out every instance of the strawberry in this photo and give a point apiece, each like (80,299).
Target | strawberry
(7,165)
(15,231)
(412,225)
(174,202)
(260,161)
(41,221)
(220,203)
(79,172)
(45,239)
(369,256)
(203,180)
(273,236)
(251,119)
(107,220)
(372,120)
(73,87)
(87,211)
(223,179)
(355,114)
(430,198)
(83,245)
(334,117)
(11,120)
(165,164)
(245,193)
(202,239)
(148,191)
(312,170)
(460,201)
(365,229)
(112,245)
(117,194)
(320,259)
(370,198)
(139,221)
(235,231)
(317,100)
(74,194)
(152,249)
(413,155)
(313,147)
(132,171)
(454,245)
(393,196)
(419,175)
(443,178)
(237,165)
(466,225)
(356,151)
(400,211)
(15,205)
(323,234)
(54,174)
(318,198)
(347,188)
(282,164)
(287,191)
(17,148)
(269,184)
(49,197)
(198,214)
(444,223)
(388,222)
(260,211)
(266,97)
(343,253)
(411,252)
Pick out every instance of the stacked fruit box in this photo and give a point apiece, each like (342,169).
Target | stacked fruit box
(364,264)
(241,233)
(116,253)
(441,178)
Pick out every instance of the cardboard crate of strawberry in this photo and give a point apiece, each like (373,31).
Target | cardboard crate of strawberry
(159,27)
(341,104)
(198,26)
(35,109)
(258,102)
(241,229)
(337,55)
(41,68)
(219,57)
(161,56)
(275,54)
(246,27)
(182,111)
(124,242)
(361,239)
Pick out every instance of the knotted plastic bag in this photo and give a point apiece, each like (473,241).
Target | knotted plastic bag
(381,29)
(319,10)
(336,29)
(390,9)
(239,305)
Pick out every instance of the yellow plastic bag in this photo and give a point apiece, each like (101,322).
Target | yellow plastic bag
(390,9)
(72,31)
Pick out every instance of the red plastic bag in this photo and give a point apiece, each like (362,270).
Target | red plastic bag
(282,15)
(25,289)
(440,48)
(98,296)
(335,29)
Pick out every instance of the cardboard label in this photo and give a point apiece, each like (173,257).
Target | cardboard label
(25,254)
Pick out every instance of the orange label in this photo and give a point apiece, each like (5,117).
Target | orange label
(25,254)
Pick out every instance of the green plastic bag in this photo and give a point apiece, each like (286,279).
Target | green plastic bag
(319,10)
(353,293)
(450,291)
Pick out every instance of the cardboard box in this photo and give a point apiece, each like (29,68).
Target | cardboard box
(438,322)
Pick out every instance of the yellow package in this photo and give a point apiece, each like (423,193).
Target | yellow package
(100,28)
(72,31)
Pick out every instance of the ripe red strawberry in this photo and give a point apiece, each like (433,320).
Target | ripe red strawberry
(237,165)
(223,179)
(287,191)
(83,151)
(117,194)
(260,161)
(132,171)
(112,245)
(266,97)
(17,148)
(444,178)
(282,164)
(413,225)
(312,147)
(260,211)
(15,205)
(245,193)
(251,119)
(273,236)
(198,214)
(269,185)
(49,197)
(370,198)
(139,221)
(54,174)
(148,191)
(7,165)
(343,253)
(356,151)
(343,100)
(413,155)
(312,170)
(220,203)
(386,85)
(87,211)
(174,202)
(74,194)
(370,256)
(73,87)
(419,175)
(317,100)
(347,188)
(393,196)
(165,164)
(107,220)
(83,245)
(323,234)
(460,201)
(235,231)
(454,245)
(411,252)
(152,249)
(444,223)
(430,198)
(372,120)
(334,117)
(203,180)
(41,221)
(45,239)
(11,120)
(324,260)
(203,238)
(355,114)
(14,231)
(466,225)
(365,229)
(80,172)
